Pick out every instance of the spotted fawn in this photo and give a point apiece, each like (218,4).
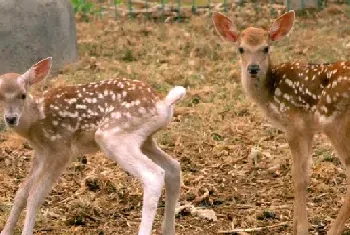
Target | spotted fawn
(118,117)
(300,99)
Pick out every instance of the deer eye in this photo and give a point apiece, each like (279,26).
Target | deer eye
(23,96)
(266,50)
(241,50)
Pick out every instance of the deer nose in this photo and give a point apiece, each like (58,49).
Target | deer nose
(253,69)
(11,120)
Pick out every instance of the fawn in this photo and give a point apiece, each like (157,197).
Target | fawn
(300,99)
(118,117)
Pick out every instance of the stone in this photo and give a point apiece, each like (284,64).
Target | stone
(31,30)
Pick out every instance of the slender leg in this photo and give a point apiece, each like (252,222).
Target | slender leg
(344,213)
(125,149)
(21,196)
(300,146)
(340,140)
(52,169)
(172,181)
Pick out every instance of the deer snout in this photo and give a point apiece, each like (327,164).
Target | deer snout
(253,69)
(11,119)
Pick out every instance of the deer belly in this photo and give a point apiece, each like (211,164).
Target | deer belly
(84,143)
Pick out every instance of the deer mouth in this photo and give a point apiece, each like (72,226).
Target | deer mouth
(12,125)
(254,76)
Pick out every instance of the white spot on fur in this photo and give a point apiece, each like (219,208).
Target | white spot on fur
(80,106)
(286,96)
(101,108)
(277,92)
(116,115)
(71,101)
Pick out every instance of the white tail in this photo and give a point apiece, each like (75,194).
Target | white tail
(301,99)
(175,94)
(118,117)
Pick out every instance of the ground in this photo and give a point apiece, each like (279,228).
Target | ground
(233,161)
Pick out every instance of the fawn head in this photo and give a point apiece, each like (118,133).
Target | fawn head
(253,44)
(14,90)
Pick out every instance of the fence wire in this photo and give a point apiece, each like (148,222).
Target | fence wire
(91,7)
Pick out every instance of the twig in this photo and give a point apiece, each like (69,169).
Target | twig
(252,229)
(91,217)
(47,229)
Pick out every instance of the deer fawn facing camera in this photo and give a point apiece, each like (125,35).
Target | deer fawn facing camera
(118,117)
(300,99)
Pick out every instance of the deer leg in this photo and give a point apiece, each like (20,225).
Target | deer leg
(340,141)
(52,169)
(172,182)
(20,199)
(344,213)
(125,149)
(300,146)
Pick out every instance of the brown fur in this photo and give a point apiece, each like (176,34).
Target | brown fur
(253,36)
(11,87)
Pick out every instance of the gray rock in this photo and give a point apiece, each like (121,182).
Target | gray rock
(31,30)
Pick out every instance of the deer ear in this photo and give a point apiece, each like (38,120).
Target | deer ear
(38,72)
(225,27)
(282,26)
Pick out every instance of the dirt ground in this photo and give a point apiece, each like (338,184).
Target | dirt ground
(233,161)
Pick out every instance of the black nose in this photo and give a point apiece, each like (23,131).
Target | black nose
(253,69)
(11,119)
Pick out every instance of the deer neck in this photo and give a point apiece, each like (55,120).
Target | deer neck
(259,88)
(33,112)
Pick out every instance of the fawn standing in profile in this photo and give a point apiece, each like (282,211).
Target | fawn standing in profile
(118,117)
(300,99)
